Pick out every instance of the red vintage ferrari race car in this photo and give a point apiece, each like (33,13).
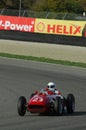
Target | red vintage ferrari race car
(44,103)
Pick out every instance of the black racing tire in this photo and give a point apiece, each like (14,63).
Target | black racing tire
(21,106)
(58,107)
(70,103)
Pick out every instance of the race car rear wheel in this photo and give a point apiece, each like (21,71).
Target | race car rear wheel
(70,103)
(58,107)
(21,106)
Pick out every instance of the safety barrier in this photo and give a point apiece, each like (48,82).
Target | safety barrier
(56,29)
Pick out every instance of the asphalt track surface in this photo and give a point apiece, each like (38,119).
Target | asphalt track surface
(18,77)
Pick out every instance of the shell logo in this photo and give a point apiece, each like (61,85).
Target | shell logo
(40,27)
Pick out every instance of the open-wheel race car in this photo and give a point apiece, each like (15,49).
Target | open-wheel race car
(44,103)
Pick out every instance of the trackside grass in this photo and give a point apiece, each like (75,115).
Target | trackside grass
(42,59)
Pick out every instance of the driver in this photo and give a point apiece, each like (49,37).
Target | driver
(51,89)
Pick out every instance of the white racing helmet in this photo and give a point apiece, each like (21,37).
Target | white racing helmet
(51,86)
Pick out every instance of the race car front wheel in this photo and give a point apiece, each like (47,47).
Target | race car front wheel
(21,106)
(58,107)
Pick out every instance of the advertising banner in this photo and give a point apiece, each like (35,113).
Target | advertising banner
(45,26)
(17,23)
(60,27)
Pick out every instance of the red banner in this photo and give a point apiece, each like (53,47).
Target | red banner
(17,23)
